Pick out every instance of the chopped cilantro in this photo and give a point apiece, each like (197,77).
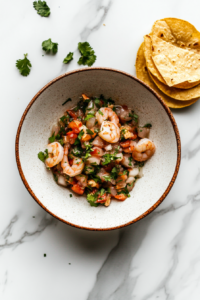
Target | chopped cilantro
(70,195)
(108,157)
(130,161)
(124,191)
(61,142)
(100,112)
(89,131)
(24,65)
(81,133)
(42,8)
(68,58)
(69,99)
(55,177)
(43,155)
(49,46)
(92,198)
(140,164)
(88,56)
(107,178)
(52,138)
(148,125)
(89,116)
(45,255)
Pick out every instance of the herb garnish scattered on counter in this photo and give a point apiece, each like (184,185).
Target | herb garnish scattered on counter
(68,100)
(68,58)
(42,8)
(49,46)
(88,56)
(24,65)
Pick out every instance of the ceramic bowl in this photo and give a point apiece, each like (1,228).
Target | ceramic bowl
(46,107)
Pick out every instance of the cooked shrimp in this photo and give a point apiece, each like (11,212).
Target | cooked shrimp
(144,149)
(107,113)
(55,154)
(109,132)
(77,165)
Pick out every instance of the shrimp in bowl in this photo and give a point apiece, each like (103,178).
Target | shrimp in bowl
(98,149)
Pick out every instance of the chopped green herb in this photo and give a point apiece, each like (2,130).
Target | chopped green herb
(69,99)
(24,65)
(55,177)
(96,130)
(130,161)
(71,195)
(89,116)
(61,142)
(49,46)
(52,138)
(107,178)
(88,56)
(140,164)
(92,198)
(81,133)
(33,216)
(124,191)
(42,8)
(45,255)
(89,131)
(43,155)
(100,112)
(148,125)
(108,157)
(68,58)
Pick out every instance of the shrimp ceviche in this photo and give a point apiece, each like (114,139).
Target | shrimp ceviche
(98,148)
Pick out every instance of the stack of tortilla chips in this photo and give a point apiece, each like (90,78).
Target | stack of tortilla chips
(169,62)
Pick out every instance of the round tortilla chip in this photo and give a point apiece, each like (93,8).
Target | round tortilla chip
(180,33)
(142,74)
(177,94)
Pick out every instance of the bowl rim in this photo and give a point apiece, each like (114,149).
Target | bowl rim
(169,113)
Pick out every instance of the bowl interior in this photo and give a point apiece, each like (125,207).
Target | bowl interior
(36,129)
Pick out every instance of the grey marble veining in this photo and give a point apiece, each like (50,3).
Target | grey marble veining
(156,258)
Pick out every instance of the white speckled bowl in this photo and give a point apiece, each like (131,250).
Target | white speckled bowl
(35,127)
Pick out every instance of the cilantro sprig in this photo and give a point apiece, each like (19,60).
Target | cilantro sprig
(49,46)
(68,58)
(148,125)
(24,65)
(88,56)
(42,8)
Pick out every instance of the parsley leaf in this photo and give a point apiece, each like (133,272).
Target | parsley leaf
(49,46)
(69,99)
(89,116)
(68,58)
(42,8)
(24,65)
(52,138)
(148,125)
(88,56)
(43,155)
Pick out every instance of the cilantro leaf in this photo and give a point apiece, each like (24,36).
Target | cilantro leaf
(148,125)
(92,198)
(88,56)
(68,58)
(55,177)
(124,191)
(42,8)
(89,131)
(43,155)
(89,116)
(81,133)
(52,138)
(24,65)
(100,112)
(49,46)
(69,99)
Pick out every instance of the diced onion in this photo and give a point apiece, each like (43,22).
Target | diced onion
(98,142)
(134,172)
(93,160)
(91,122)
(143,132)
(61,181)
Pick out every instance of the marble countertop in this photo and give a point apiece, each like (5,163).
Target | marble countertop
(156,258)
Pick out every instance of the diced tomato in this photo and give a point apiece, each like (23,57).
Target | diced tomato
(77,189)
(95,152)
(109,167)
(72,180)
(134,136)
(75,126)
(71,134)
(72,114)
(85,97)
(125,144)
(101,198)
(120,197)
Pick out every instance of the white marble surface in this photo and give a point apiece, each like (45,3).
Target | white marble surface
(157,258)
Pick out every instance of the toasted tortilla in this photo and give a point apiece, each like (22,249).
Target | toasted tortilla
(176,65)
(142,74)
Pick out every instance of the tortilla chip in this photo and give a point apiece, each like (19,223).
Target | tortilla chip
(142,74)
(178,94)
(178,32)
(148,57)
(175,65)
